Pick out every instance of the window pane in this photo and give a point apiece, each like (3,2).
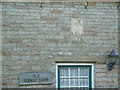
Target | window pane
(64,82)
(73,71)
(83,72)
(64,72)
(74,82)
(83,82)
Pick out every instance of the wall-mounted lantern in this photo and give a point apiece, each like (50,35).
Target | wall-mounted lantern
(112,60)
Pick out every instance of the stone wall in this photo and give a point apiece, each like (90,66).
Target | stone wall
(119,44)
(0,45)
(35,38)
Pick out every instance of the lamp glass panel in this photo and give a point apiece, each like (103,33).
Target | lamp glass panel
(112,59)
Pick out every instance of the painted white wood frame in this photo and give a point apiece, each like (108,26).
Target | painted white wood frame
(68,64)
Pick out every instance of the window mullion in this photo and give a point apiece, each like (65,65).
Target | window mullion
(88,76)
(69,77)
(79,77)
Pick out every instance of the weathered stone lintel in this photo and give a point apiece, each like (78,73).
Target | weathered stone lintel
(80,59)
(59,0)
(0,45)
(75,61)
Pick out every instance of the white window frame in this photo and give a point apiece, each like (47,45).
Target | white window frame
(68,64)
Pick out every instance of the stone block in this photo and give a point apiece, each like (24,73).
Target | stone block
(92,3)
(106,4)
(56,11)
(84,3)
(101,66)
(113,4)
(52,40)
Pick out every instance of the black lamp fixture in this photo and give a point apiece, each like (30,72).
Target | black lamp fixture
(112,60)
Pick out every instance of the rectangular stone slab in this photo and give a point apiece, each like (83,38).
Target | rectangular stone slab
(28,78)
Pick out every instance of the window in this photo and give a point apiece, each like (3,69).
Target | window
(74,76)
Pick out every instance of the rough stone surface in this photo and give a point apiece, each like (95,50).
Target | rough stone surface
(33,38)
(0,45)
(119,46)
